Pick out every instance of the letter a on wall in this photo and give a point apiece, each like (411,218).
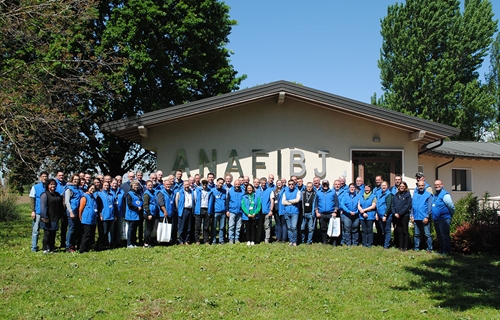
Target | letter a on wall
(233,158)
(181,162)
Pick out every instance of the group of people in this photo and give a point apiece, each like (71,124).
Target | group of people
(211,211)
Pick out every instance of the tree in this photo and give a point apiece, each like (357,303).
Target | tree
(493,79)
(430,55)
(93,61)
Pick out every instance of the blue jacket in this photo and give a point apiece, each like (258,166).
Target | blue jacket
(350,203)
(168,201)
(180,201)
(153,208)
(291,195)
(233,200)
(106,205)
(326,200)
(384,204)
(74,200)
(211,198)
(39,189)
(365,203)
(250,204)
(220,200)
(278,206)
(133,202)
(89,214)
(421,205)
(440,210)
(265,199)
(119,202)
(401,204)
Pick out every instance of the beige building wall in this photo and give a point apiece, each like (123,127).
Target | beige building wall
(484,174)
(294,127)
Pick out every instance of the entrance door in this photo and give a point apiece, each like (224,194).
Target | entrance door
(369,164)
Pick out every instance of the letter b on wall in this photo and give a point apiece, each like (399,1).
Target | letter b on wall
(297,161)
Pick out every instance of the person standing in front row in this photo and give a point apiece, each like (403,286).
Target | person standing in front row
(367,209)
(133,212)
(184,201)
(290,202)
(401,207)
(442,212)
(251,205)
(350,217)
(308,212)
(421,215)
(88,217)
(234,212)
(326,208)
(51,209)
(203,212)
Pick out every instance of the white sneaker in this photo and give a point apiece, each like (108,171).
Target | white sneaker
(131,246)
(248,243)
(252,243)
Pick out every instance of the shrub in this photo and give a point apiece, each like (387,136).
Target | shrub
(465,209)
(477,238)
(8,210)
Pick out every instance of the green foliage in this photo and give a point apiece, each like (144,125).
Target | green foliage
(68,66)
(493,79)
(8,208)
(429,60)
(465,209)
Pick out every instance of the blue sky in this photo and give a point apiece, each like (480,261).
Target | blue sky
(329,45)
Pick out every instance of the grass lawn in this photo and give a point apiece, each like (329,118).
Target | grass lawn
(233,281)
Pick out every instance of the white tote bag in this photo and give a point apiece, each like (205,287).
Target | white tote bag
(334,227)
(164,231)
(124,230)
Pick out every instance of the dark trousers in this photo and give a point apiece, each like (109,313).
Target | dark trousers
(323,222)
(260,235)
(251,229)
(402,231)
(367,232)
(207,222)
(185,221)
(132,232)
(74,234)
(105,234)
(150,224)
(49,240)
(64,228)
(380,238)
(140,226)
(87,236)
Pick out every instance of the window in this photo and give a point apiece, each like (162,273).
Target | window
(420,168)
(461,179)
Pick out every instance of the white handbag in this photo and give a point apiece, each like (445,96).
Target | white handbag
(164,231)
(334,227)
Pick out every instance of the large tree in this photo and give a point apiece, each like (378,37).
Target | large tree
(68,66)
(493,79)
(429,62)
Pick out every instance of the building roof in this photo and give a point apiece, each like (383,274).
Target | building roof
(128,128)
(468,149)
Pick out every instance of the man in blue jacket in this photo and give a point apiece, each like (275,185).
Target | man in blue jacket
(234,211)
(35,193)
(442,212)
(421,215)
(327,205)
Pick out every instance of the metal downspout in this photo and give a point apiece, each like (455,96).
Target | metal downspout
(437,168)
(427,150)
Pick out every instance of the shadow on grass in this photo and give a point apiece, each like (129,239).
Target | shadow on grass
(459,282)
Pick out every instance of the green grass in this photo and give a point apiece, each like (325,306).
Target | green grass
(265,281)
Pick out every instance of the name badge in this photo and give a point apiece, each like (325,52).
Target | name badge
(218,197)
(307,204)
(111,206)
(275,201)
(251,208)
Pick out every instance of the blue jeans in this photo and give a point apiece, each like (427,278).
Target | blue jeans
(281,233)
(132,232)
(74,235)
(185,225)
(367,234)
(419,225)
(307,220)
(443,235)
(350,229)
(387,231)
(34,233)
(234,226)
(291,224)
(219,219)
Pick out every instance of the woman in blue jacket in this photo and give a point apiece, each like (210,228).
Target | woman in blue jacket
(151,211)
(88,217)
(106,208)
(350,216)
(401,208)
(279,218)
(132,213)
(250,204)
(366,206)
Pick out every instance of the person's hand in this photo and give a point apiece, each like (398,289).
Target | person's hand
(425,221)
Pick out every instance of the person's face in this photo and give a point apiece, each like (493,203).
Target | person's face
(421,186)
(220,183)
(263,184)
(401,187)
(270,178)
(100,177)
(204,185)
(130,176)
(178,175)
(359,181)
(82,182)
(134,187)
(352,189)
(378,181)
(368,189)
(105,186)
(186,185)
(237,183)
(191,181)
(167,184)
(153,177)
(316,182)
(87,178)
(283,181)
(76,180)
(60,176)
(309,187)
(300,182)
(336,185)
(241,181)
(91,190)
(249,189)
(397,180)
(149,185)
(114,185)
(384,187)
(256,183)
(43,178)
(210,178)
(325,186)
(159,174)
(246,180)
(97,183)
(139,176)
(81,175)
(294,179)
(52,187)
(342,182)
(119,180)
(229,179)
(438,185)
(107,179)
(291,185)
(197,178)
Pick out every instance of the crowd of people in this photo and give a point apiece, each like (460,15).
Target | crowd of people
(217,211)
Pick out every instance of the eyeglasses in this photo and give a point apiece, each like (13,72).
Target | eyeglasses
(291,184)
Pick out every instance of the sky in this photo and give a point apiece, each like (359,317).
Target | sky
(329,45)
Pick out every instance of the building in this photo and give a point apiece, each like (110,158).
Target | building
(286,129)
